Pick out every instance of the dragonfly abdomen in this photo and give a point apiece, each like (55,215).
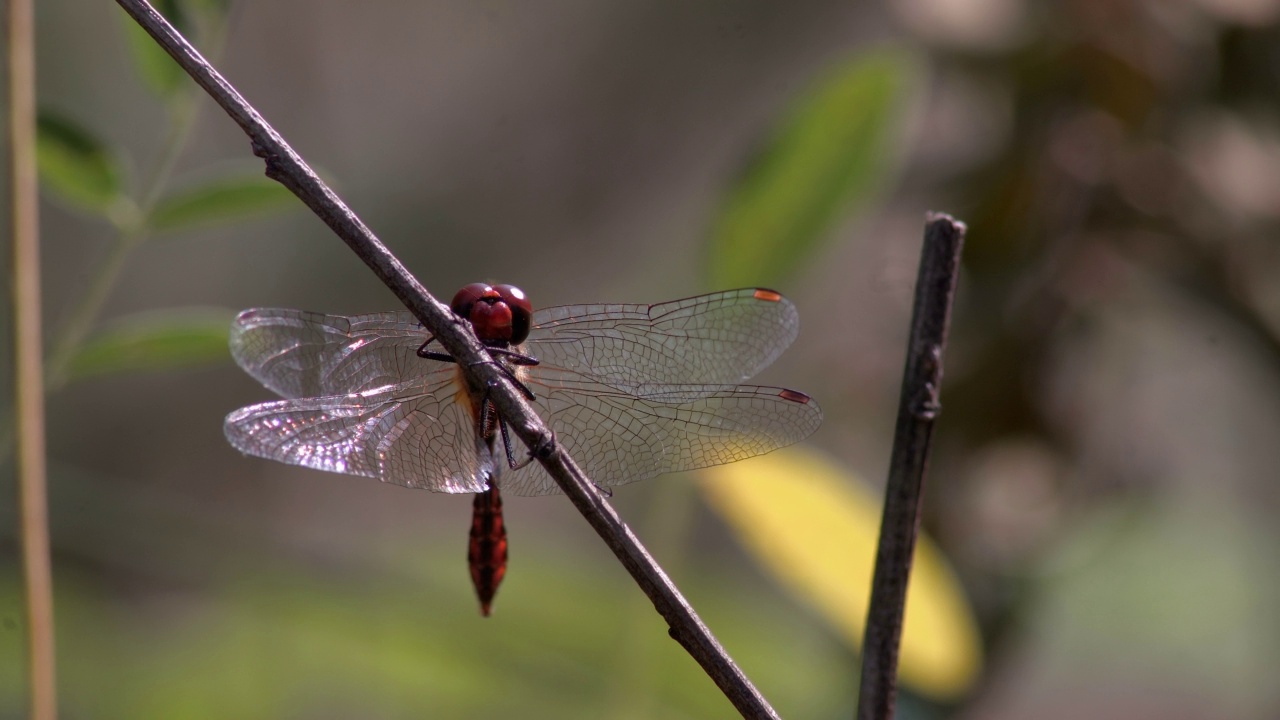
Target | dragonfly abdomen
(487,550)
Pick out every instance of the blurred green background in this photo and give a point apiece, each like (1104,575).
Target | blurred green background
(1104,475)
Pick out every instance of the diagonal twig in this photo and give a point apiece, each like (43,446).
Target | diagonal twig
(918,409)
(286,167)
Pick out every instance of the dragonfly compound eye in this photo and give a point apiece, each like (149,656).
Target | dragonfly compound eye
(467,297)
(521,311)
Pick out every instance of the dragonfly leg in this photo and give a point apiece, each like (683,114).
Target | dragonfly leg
(424,353)
(544,449)
(524,389)
(515,357)
(489,415)
(506,445)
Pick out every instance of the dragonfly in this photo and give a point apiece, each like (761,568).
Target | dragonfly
(629,391)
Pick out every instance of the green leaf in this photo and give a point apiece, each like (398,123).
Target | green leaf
(159,71)
(220,200)
(156,340)
(75,166)
(831,154)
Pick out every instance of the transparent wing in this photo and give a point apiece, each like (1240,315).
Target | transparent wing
(632,391)
(303,354)
(423,437)
(619,438)
(410,434)
(724,337)
(720,338)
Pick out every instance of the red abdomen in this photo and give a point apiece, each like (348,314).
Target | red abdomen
(487,550)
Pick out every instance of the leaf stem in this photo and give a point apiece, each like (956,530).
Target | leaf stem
(77,326)
(133,231)
(182,116)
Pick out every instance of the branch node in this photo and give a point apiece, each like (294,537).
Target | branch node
(546,445)
(928,408)
(271,158)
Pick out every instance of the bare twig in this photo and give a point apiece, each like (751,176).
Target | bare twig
(918,409)
(29,390)
(286,167)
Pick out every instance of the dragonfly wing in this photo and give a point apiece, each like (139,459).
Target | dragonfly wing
(302,354)
(721,338)
(618,438)
(410,435)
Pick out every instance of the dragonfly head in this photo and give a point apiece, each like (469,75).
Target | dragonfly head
(499,314)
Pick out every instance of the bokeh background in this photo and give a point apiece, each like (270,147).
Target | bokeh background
(1103,486)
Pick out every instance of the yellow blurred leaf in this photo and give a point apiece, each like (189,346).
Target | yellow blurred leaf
(814,525)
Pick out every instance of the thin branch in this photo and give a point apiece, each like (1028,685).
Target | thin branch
(286,167)
(29,390)
(918,409)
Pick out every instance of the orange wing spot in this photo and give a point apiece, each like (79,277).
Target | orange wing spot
(767,295)
(795,396)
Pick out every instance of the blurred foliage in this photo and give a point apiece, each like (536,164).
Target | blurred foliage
(1198,606)
(291,644)
(280,642)
(814,526)
(1116,330)
(162,75)
(81,171)
(831,154)
(155,340)
(1103,482)
(244,632)
(75,167)
(220,200)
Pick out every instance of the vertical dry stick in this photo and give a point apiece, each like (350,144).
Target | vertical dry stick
(918,409)
(29,393)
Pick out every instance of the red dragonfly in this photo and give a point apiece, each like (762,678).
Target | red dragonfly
(631,391)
